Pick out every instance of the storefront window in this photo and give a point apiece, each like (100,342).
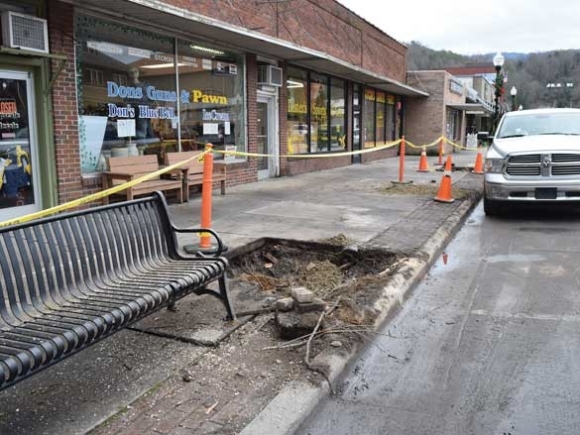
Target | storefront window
(337,115)
(390,114)
(297,84)
(211,97)
(356,117)
(369,118)
(16,140)
(453,124)
(129,103)
(316,112)
(380,118)
(319,113)
(127,99)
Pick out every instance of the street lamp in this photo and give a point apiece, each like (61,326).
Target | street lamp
(513,93)
(498,61)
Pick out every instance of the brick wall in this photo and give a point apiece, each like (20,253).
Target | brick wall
(323,25)
(246,172)
(68,168)
(425,117)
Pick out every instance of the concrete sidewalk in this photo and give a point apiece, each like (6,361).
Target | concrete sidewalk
(157,384)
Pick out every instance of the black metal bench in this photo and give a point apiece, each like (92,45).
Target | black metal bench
(68,281)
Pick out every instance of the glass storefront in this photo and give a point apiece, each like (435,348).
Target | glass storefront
(379,118)
(369,119)
(17,142)
(129,102)
(211,97)
(390,115)
(316,112)
(298,137)
(337,115)
(453,128)
(356,121)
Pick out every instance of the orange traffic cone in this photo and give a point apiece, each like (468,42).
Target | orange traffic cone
(478,162)
(448,164)
(444,194)
(423,165)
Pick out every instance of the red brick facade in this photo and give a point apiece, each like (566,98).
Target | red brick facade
(323,25)
(64,100)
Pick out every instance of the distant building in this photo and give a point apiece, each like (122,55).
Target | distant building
(458,106)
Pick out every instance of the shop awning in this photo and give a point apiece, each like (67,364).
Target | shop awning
(472,108)
(167,18)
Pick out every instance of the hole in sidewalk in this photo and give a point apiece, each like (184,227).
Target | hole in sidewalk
(272,267)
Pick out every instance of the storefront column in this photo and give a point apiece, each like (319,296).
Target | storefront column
(64,100)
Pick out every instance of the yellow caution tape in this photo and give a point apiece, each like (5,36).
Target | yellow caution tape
(450,142)
(429,145)
(96,196)
(104,193)
(313,156)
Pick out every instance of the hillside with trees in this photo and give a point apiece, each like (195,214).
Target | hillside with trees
(535,75)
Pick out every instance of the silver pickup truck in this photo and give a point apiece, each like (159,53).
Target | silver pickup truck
(534,157)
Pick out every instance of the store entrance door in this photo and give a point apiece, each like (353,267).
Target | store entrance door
(267,143)
(19,193)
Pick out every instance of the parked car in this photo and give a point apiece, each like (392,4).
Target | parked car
(534,157)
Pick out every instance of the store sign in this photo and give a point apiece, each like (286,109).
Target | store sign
(456,86)
(8,116)
(115,90)
(198,96)
(214,115)
(297,108)
(142,110)
(8,108)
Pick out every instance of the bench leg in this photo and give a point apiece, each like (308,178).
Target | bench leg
(171,305)
(225,297)
(223,187)
(222,294)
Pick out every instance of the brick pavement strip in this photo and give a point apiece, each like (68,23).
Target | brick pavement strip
(412,232)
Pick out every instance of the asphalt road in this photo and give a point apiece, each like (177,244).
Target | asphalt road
(488,344)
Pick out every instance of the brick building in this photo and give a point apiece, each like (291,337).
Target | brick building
(85,80)
(454,109)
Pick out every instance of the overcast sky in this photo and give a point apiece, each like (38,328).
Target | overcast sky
(468,27)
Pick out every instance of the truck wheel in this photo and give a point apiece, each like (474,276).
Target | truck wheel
(491,208)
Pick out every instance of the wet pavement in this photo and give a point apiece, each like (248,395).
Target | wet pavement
(488,344)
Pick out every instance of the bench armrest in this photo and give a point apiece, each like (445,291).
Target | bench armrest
(220,248)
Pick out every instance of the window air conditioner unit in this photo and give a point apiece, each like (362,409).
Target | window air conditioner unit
(24,31)
(270,75)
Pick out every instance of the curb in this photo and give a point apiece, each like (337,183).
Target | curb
(296,401)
